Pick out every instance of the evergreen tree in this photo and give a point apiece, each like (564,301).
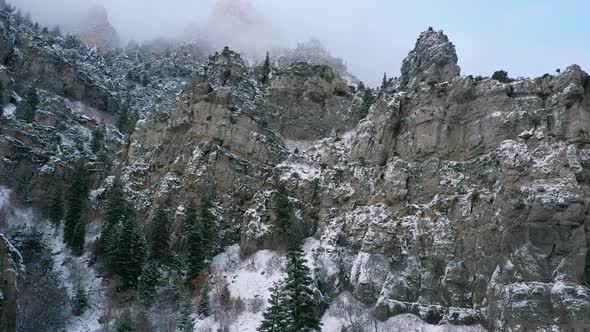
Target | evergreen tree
(125,322)
(282,208)
(98,134)
(368,101)
(204,309)
(78,238)
(384,83)
(160,234)
(208,227)
(196,248)
(77,197)
(124,120)
(129,254)
(361,86)
(29,107)
(185,322)
(56,207)
(149,282)
(144,80)
(80,301)
(300,295)
(292,301)
(275,318)
(116,210)
(266,69)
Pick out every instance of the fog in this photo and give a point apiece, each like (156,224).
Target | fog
(527,38)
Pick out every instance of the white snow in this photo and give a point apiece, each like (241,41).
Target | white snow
(75,270)
(303,171)
(9,110)
(249,279)
(346,312)
(15,216)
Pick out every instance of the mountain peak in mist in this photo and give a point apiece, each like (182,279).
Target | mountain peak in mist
(95,28)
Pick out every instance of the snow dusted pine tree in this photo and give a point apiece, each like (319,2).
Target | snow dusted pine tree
(186,322)
(275,317)
(98,134)
(160,234)
(148,282)
(74,227)
(196,248)
(129,254)
(266,69)
(116,210)
(204,308)
(292,301)
(29,107)
(208,227)
(56,207)
(283,209)
(299,289)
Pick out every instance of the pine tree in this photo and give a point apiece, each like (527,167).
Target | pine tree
(125,322)
(129,254)
(148,283)
(208,227)
(116,210)
(196,248)
(98,134)
(282,208)
(78,238)
(266,69)
(77,198)
(185,322)
(80,301)
(56,207)
(160,234)
(276,319)
(300,294)
(368,101)
(384,83)
(204,309)
(144,80)
(292,301)
(123,121)
(27,111)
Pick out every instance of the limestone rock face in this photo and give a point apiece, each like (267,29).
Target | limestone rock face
(433,59)
(460,201)
(10,268)
(95,29)
(308,101)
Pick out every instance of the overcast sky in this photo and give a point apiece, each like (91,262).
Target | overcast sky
(524,37)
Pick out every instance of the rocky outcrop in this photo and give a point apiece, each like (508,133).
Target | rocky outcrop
(95,29)
(464,119)
(460,201)
(308,101)
(433,60)
(312,52)
(10,268)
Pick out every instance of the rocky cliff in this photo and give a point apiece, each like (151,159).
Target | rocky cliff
(456,201)
(459,200)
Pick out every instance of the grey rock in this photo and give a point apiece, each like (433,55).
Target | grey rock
(433,59)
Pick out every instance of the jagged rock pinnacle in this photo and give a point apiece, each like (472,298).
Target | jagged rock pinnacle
(433,59)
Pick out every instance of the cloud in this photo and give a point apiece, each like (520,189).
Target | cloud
(528,38)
